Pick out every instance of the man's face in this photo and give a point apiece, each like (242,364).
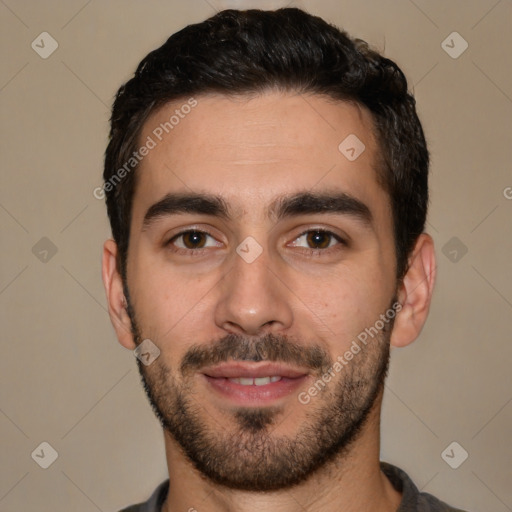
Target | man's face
(290,259)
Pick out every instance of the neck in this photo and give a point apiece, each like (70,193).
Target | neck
(351,482)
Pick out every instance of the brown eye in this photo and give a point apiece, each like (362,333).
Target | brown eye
(318,239)
(193,239)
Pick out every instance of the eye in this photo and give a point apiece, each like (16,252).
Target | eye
(192,240)
(318,239)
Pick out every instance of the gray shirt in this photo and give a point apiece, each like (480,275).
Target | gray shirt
(412,499)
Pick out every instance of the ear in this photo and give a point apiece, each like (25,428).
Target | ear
(415,292)
(115,295)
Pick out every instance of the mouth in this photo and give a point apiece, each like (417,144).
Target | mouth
(250,383)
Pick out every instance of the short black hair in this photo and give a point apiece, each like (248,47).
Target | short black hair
(249,52)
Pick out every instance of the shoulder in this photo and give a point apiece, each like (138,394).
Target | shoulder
(412,499)
(154,503)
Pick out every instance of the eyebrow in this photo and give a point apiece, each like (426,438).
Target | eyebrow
(176,203)
(285,206)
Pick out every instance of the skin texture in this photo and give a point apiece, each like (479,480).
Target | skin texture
(251,151)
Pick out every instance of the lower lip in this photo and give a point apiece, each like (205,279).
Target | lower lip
(254,395)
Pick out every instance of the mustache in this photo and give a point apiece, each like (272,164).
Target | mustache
(269,347)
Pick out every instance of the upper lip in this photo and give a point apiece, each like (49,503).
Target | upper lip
(252,369)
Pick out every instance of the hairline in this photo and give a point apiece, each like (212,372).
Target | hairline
(379,166)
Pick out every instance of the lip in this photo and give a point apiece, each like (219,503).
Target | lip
(248,369)
(217,381)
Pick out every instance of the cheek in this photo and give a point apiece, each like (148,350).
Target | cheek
(171,305)
(343,303)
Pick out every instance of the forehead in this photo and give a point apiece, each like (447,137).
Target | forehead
(251,149)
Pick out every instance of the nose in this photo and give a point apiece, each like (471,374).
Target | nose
(253,300)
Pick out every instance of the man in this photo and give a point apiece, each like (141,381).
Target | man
(267,187)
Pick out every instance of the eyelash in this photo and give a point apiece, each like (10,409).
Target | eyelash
(309,251)
(187,252)
(317,252)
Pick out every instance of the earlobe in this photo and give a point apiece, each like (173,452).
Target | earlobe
(115,295)
(415,293)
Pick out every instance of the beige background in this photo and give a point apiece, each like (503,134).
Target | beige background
(65,379)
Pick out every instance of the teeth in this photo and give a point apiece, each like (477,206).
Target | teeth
(257,381)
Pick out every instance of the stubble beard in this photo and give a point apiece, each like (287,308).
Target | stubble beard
(243,452)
